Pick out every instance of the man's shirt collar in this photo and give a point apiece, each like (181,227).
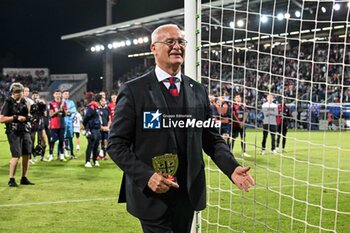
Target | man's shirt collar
(163,76)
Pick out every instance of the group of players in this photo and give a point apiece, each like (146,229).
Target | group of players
(233,118)
(60,120)
(32,123)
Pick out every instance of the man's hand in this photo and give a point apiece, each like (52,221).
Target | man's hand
(21,118)
(242,179)
(104,128)
(159,184)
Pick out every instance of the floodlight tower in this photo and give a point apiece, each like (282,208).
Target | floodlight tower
(108,57)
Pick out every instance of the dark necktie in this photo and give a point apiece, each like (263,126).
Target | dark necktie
(172,88)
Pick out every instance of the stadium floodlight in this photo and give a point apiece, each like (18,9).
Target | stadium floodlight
(97,48)
(263,19)
(280,16)
(140,40)
(101,77)
(323,9)
(128,42)
(336,7)
(122,44)
(102,47)
(135,41)
(115,45)
(92,49)
(240,23)
(286,15)
(110,46)
(145,39)
(297,14)
(232,24)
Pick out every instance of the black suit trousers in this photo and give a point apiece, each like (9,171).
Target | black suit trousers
(177,219)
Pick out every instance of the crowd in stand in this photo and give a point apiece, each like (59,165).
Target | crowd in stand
(309,76)
(34,83)
(310,72)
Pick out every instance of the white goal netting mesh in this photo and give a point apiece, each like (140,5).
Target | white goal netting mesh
(299,52)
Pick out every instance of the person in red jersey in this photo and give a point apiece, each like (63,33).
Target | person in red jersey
(223,110)
(330,120)
(111,106)
(239,117)
(57,111)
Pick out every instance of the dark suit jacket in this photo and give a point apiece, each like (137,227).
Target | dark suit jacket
(132,148)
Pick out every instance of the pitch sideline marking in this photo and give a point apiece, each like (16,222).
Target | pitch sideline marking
(114,198)
(57,202)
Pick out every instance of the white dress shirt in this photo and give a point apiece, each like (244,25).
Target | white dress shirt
(163,76)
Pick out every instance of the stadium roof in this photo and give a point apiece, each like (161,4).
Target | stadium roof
(221,13)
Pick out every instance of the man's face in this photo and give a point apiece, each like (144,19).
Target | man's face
(103,94)
(167,56)
(269,98)
(17,95)
(57,95)
(114,98)
(65,95)
(26,92)
(35,96)
(238,99)
(103,102)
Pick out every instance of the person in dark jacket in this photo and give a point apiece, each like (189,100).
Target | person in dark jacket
(92,125)
(284,115)
(105,121)
(152,155)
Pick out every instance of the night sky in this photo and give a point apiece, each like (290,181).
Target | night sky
(31,32)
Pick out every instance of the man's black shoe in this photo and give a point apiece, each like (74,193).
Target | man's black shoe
(12,183)
(25,181)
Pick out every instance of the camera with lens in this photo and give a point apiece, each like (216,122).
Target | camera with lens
(20,109)
(87,134)
(37,110)
(39,150)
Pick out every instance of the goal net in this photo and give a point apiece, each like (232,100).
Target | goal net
(298,51)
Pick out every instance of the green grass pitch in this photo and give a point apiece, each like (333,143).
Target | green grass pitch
(305,189)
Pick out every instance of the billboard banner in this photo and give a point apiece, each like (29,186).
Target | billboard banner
(26,72)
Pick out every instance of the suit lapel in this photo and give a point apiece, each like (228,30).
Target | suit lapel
(156,94)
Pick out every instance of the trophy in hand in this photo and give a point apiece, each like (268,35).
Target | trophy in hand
(166,165)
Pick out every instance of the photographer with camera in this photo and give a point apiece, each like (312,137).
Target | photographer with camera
(92,125)
(57,113)
(15,114)
(38,111)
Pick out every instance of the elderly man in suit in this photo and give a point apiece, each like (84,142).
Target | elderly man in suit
(164,179)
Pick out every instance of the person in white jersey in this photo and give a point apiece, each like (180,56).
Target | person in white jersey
(270,111)
(77,119)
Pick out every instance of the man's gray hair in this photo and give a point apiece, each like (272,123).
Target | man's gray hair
(154,35)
